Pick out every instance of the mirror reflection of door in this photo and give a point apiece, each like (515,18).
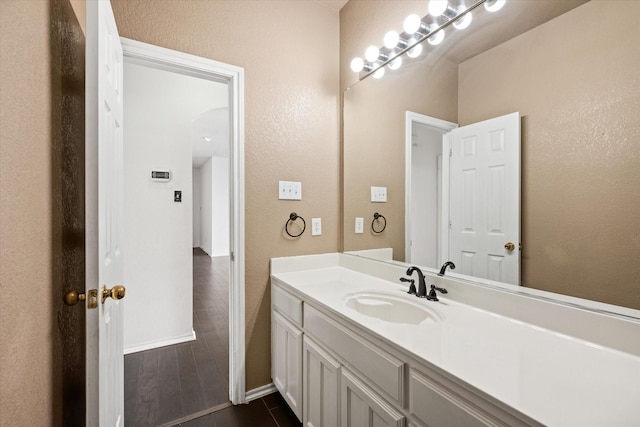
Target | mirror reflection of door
(484,230)
(464,205)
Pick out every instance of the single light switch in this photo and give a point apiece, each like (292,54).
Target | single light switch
(316,226)
(359,225)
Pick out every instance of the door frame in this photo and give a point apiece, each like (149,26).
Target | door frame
(196,66)
(441,126)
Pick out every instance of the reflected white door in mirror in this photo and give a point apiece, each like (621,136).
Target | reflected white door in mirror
(463,196)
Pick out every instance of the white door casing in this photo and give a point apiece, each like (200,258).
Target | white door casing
(485,199)
(103,215)
(233,76)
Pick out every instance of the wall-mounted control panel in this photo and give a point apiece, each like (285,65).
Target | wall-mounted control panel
(289,190)
(379,194)
(161,175)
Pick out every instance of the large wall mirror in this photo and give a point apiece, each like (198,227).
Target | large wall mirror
(571,69)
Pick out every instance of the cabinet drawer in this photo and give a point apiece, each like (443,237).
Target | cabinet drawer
(381,368)
(286,304)
(441,403)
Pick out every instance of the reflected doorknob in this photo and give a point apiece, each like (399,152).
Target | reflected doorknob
(509,246)
(117,292)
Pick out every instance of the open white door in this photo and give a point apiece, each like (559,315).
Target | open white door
(484,234)
(103,217)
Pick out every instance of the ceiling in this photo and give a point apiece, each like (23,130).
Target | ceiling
(333,4)
(188,108)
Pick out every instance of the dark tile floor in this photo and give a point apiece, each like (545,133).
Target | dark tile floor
(172,382)
(269,411)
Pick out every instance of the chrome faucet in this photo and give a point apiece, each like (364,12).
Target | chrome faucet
(444,267)
(422,287)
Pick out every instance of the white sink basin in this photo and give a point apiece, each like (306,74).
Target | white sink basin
(391,308)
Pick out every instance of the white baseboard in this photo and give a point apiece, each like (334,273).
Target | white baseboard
(161,343)
(259,392)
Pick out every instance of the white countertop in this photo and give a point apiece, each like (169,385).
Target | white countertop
(553,378)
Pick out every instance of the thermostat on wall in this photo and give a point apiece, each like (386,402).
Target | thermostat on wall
(161,175)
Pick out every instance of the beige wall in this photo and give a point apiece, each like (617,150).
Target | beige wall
(41,213)
(25,215)
(576,82)
(289,51)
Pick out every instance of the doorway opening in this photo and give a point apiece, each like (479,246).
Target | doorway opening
(426,198)
(184,314)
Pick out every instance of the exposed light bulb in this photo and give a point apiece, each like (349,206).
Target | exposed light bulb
(391,39)
(357,64)
(412,24)
(378,73)
(464,22)
(436,38)
(437,7)
(415,51)
(372,53)
(395,64)
(494,5)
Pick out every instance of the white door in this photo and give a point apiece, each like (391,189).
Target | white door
(103,217)
(485,199)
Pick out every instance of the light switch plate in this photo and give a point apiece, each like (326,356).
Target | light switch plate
(289,190)
(379,194)
(316,226)
(359,225)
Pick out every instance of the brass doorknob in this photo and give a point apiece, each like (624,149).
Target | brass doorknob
(72,297)
(509,246)
(117,292)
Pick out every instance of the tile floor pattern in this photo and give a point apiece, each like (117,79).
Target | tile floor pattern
(269,411)
(169,383)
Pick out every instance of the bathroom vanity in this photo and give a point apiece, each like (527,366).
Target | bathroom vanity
(350,347)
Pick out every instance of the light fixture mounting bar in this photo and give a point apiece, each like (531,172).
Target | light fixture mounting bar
(365,73)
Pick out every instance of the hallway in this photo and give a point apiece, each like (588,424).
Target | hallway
(169,383)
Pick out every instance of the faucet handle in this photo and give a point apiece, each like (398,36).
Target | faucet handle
(412,286)
(433,296)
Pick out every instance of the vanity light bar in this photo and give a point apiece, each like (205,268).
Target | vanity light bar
(416,32)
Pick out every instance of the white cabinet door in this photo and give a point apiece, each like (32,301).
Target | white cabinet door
(362,407)
(321,375)
(286,361)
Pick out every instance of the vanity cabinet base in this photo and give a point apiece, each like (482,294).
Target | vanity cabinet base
(286,358)
(361,406)
(321,379)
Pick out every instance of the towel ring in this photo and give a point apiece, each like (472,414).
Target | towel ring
(292,217)
(376,217)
